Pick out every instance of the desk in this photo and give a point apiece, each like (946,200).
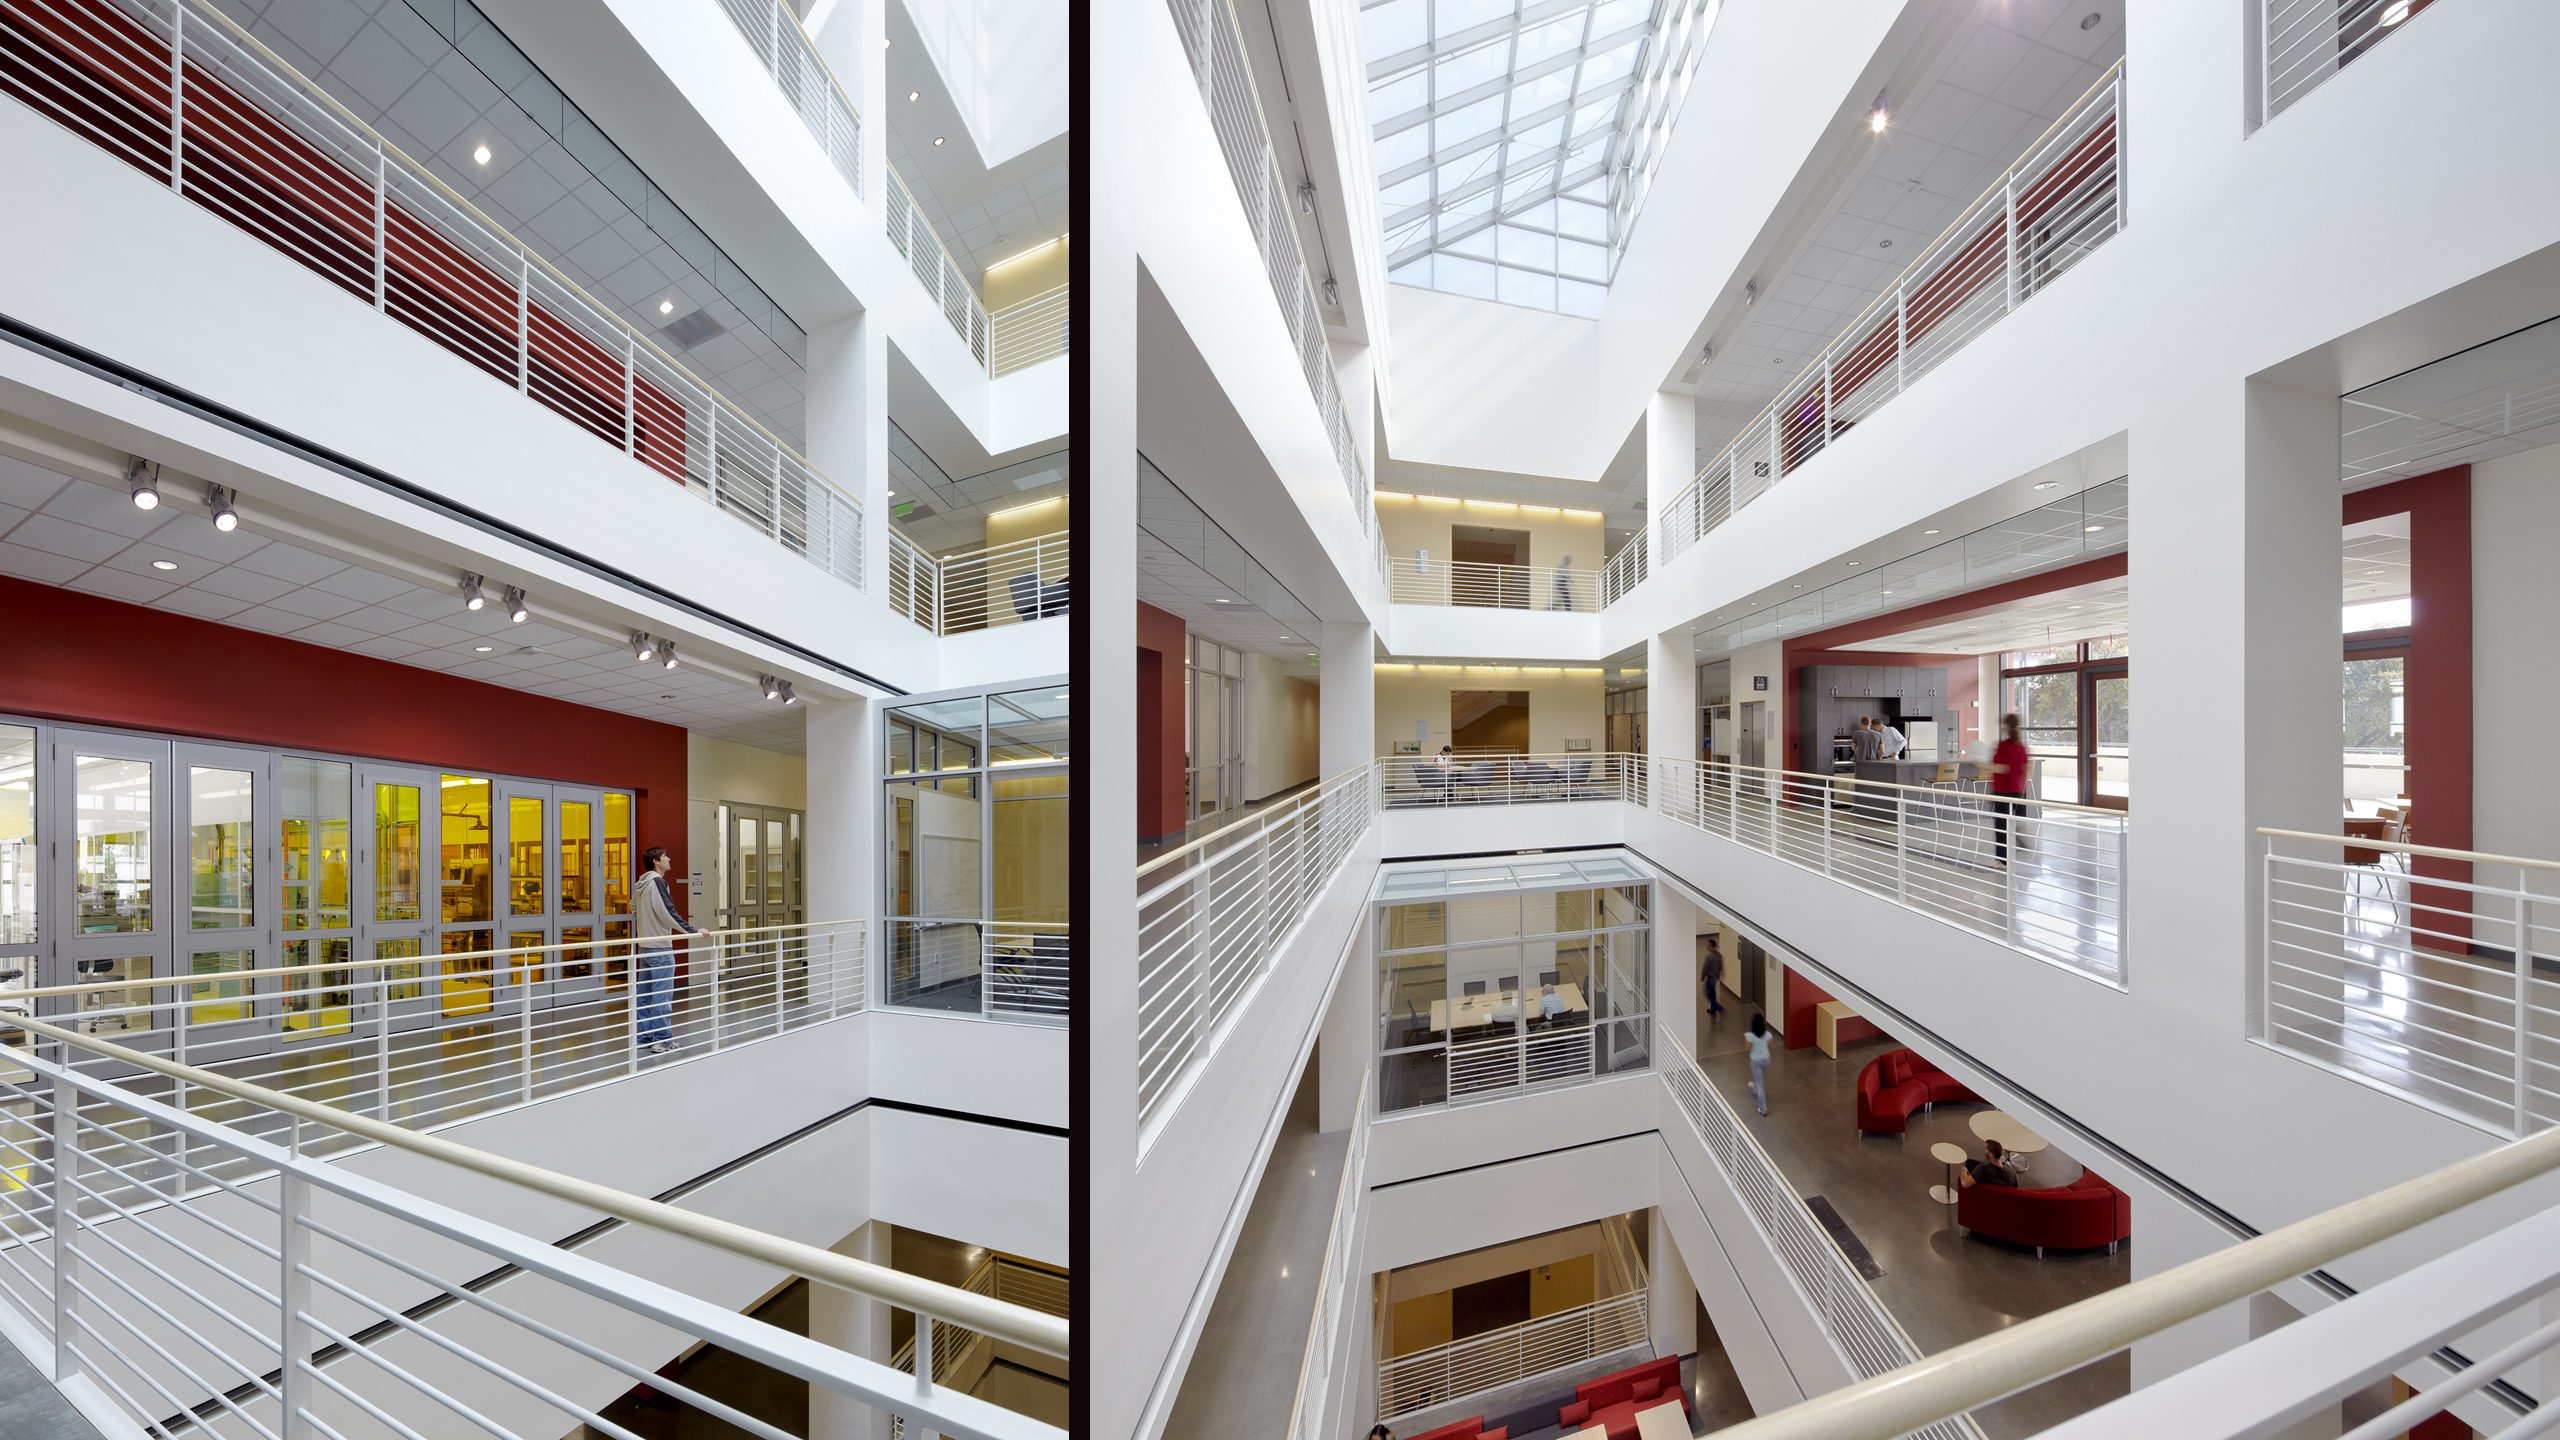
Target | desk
(1666,1421)
(1472,1010)
(1826,1025)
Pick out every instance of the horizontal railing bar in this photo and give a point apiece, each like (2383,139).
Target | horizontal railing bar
(2476,857)
(1046,1334)
(1292,805)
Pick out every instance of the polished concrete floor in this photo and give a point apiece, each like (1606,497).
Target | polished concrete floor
(1243,1378)
(1944,1284)
(1212,824)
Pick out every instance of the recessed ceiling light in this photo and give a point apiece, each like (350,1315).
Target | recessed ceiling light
(666,697)
(893,494)
(1888,592)
(2049,484)
(484,649)
(1221,600)
(1796,587)
(937,139)
(913,94)
(1884,244)
(1928,532)
(2089,21)
(481,155)
(1857,562)
(666,307)
(164,564)
(2091,529)
(2070,607)
(2373,572)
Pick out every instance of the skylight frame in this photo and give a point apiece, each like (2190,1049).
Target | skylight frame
(1531,218)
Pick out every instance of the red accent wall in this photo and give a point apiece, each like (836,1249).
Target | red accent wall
(1160,729)
(2436,690)
(81,659)
(1795,1020)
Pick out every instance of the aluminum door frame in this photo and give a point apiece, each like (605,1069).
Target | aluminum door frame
(74,950)
(561,988)
(256,1032)
(414,1006)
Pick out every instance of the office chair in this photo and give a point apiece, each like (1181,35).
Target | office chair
(1550,977)
(1472,987)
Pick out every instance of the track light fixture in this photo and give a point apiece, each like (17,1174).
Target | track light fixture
(667,653)
(1307,198)
(642,647)
(515,605)
(218,499)
(472,599)
(772,688)
(1706,353)
(787,697)
(1332,292)
(1750,292)
(142,482)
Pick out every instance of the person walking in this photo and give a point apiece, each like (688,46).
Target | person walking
(1759,1038)
(1711,976)
(2008,789)
(655,908)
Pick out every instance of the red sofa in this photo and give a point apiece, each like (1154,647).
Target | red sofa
(1898,1082)
(2084,1214)
(1613,1400)
(1471,1428)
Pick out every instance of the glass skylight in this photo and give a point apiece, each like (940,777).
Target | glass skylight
(1515,138)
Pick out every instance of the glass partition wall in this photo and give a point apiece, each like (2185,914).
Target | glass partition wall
(975,854)
(131,857)
(1499,979)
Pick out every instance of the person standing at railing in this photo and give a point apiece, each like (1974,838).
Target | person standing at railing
(2008,787)
(1759,1038)
(655,907)
(1711,976)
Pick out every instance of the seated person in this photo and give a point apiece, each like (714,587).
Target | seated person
(1550,1004)
(1997,1167)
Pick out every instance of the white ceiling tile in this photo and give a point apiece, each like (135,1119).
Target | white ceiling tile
(235,583)
(118,585)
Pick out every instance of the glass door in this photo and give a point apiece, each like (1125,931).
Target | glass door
(19,870)
(230,810)
(395,856)
(523,815)
(120,910)
(2107,724)
(592,848)
(317,882)
(466,851)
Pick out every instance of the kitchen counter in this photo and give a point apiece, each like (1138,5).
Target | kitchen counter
(1882,804)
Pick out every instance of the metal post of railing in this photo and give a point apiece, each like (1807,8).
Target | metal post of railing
(524,1005)
(2524,996)
(1828,429)
(381,229)
(524,321)
(1901,847)
(2009,201)
(382,1041)
(1901,337)
(630,388)
(924,1368)
(295,1383)
(65,1256)
(1826,797)
(1777,470)
(777,494)
(2266,939)
(631,1039)
(178,100)
(2009,868)
(2124,910)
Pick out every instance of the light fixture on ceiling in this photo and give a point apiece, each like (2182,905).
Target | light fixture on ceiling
(667,654)
(1332,293)
(218,499)
(1878,114)
(1928,532)
(2373,572)
(937,139)
(642,647)
(787,697)
(1307,198)
(2091,529)
(1888,592)
(912,94)
(893,494)
(515,606)
(1221,600)
(483,649)
(480,155)
(666,307)
(2089,21)
(1854,563)
(2394,13)
(142,482)
(164,564)
(472,599)
(2049,484)
(2070,607)
(1750,292)
(1797,586)
(772,687)
(1884,244)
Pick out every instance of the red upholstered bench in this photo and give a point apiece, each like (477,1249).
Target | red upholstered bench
(1898,1082)
(1613,1400)
(2082,1215)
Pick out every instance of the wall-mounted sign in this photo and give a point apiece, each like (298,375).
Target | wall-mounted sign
(1759,682)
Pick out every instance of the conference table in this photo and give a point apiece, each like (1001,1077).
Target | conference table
(1471,1010)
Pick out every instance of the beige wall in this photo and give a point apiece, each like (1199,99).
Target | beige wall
(1412,522)
(1564,704)
(1034,272)
(717,770)
(1046,517)
(1280,727)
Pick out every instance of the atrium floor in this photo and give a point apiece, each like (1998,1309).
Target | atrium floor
(1944,1285)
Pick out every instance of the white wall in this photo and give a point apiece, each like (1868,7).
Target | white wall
(1282,726)
(2515,520)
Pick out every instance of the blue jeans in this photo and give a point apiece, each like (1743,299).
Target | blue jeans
(657,993)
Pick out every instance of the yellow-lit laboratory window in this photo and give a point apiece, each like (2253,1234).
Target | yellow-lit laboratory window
(464,863)
(398,852)
(467,973)
(617,856)
(577,857)
(526,958)
(221,807)
(525,855)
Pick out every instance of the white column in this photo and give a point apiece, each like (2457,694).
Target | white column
(1356,367)
(1670,455)
(1671,1298)
(1347,687)
(844,818)
(848,430)
(1671,696)
(1675,967)
(1348,1043)
(856,1325)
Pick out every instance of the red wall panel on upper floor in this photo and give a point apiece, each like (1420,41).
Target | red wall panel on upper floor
(84,659)
(1161,799)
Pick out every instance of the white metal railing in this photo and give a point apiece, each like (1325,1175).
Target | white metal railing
(1025,333)
(1625,571)
(244,135)
(2061,200)
(2301,43)
(2042,877)
(1024,973)
(934,268)
(1866,1333)
(195,1262)
(978,589)
(961,1356)
(1213,915)
(1214,44)
(1443,1373)
(773,31)
(2418,970)
(2494,1288)
(1378,553)
(1311,1413)
(421,1040)
(1416,581)
(1408,782)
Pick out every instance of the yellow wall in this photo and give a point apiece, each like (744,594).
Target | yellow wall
(1046,517)
(1034,272)
(1418,522)
(1564,703)
(1421,1323)
(1563,1286)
